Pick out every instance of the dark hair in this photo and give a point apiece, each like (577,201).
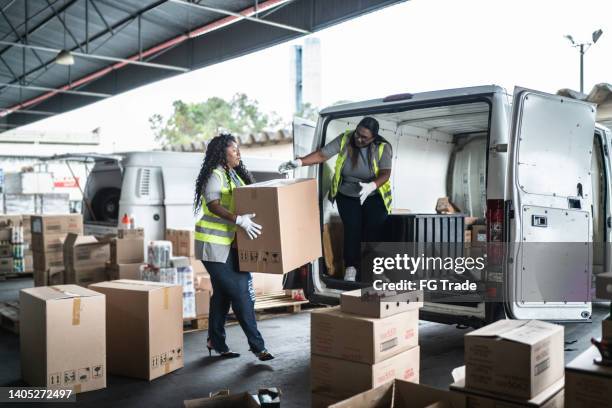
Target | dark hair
(216,156)
(373,126)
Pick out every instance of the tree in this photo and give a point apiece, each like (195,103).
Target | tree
(191,122)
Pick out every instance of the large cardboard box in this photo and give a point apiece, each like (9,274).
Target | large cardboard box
(57,224)
(588,385)
(28,264)
(403,394)
(48,242)
(127,251)
(288,211)
(322,401)
(63,337)
(202,302)
(144,327)
(123,271)
(85,258)
(362,339)
(183,242)
(46,260)
(552,397)
(377,304)
(342,378)
(517,358)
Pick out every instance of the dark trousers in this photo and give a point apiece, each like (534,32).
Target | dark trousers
(235,288)
(362,223)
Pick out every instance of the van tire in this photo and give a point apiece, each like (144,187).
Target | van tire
(105,204)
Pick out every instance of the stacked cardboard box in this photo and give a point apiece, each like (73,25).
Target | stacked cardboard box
(514,363)
(365,344)
(144,327)
(63,338)
(126,254)
(48,235)
(85,259)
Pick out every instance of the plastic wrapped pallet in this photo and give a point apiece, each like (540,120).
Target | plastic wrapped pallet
(19,204)
(159,254)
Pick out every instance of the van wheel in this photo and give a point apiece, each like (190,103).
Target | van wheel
(105,204)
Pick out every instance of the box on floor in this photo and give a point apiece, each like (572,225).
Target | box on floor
(127,251)
(63,337)
(362,339)
(517,358)
(341,379)
(588,384)
(282,247)
(123,271)
(85,259)
(144,329)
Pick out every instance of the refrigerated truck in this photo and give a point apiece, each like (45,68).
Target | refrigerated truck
(535,166)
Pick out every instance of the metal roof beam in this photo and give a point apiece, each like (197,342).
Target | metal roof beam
(108,27)
(20,38)
(65,26)
(65,91)
(29,112)
(242,16)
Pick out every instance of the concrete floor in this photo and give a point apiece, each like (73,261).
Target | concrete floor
(287,337)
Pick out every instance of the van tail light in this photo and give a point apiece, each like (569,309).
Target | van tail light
(495,231)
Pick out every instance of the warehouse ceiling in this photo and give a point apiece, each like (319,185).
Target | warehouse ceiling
(118,45)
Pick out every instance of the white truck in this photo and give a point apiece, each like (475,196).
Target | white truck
(536,168)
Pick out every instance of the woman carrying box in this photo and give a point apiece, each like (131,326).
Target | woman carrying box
(360,186)
(215,234)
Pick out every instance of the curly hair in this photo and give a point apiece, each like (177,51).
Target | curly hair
(216,156)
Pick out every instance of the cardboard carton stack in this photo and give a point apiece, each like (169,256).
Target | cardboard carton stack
(63,338)
(288,211)
(126,254)
(48,235)
(85,259)
(369,341)
(514,363)
(588,379)
(144,327)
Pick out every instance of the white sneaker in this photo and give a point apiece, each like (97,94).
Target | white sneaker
(350,274)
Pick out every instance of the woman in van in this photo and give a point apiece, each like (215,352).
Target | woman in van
(222,171)
(360,185)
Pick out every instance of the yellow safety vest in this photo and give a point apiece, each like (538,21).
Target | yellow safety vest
(384,190)
(211,228)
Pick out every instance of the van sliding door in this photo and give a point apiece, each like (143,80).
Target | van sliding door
(550,192)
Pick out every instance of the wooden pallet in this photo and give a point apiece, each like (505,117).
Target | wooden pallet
(9,316)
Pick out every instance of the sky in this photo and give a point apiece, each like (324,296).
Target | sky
(418,45)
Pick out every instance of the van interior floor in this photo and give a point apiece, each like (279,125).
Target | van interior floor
(287,337)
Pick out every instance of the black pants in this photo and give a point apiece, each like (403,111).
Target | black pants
(362,223)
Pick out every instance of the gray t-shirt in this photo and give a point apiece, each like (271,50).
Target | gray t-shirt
(363,170)
(212,191)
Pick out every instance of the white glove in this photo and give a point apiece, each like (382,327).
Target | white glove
(290,165)
(366,190)
(252,229)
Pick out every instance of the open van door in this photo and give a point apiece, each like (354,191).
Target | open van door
(549,208)
(304,132)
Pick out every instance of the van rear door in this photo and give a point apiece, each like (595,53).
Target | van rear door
(304,132)
(549,195)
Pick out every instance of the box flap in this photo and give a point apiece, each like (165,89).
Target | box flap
(129,284)
(497,328)
(60,292)
(536,401)
(277,183)
(71,240)
(531,332)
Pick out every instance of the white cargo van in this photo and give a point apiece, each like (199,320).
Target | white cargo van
(535,168)
(157,188)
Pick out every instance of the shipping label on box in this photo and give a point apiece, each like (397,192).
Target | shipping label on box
(517,358)
(57,224)
(362,339)
(63,338)
(282,246)
(342,378)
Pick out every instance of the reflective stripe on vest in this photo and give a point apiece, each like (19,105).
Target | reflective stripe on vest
(385,189)
(212,228)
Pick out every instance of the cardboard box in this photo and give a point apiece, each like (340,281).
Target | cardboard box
(136,233)
(603,286)
(445,206)
(403,394)
(57,224)
(264,283)
(333,248)
(127,251)
(28,264)
(606,329)
(6,265)
(123,271)
(198,266)
(370,303)
(467,236)
(282,247)
(183,242)
(322,401)
(85,258)
(202,282)
(552,397)
(362,339)
(63,338)
(48,242)
(342,378)
(144,327)
(202,302)
(587,384)
(46,260)
(479,234)
(517,358)
(49,277)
